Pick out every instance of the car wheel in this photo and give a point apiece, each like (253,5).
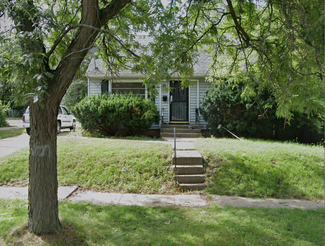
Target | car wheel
(58,128)
(28,131)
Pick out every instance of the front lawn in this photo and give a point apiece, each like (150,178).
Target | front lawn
(11,132)
(102,164)
(257,168)
(85,224)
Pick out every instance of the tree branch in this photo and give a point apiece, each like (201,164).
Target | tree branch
(238,26)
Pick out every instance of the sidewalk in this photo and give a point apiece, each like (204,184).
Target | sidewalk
(11,145)
(72,194)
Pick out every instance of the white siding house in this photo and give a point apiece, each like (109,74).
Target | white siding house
(181,107)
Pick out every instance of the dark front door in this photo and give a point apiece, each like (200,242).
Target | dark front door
(178,102)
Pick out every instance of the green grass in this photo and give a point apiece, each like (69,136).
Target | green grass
(252,168)
(85,224)
(256,168)
(102,164)
(11,133)
(13,118)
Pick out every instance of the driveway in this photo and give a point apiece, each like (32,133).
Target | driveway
(10,145)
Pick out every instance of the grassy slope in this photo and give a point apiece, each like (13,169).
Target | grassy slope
(102,164)
(263,169)
(251,168)
(11,133)
(85,224)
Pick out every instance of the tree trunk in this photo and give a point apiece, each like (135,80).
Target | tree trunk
(43,183)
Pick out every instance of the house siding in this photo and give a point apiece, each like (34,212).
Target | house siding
(203,87)
(192,102)
(94,86)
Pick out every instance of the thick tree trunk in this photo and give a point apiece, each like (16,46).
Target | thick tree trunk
(43,184)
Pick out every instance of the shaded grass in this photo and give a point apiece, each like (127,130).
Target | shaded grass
(85,224)
(102,164)
(11,133)
(256,168)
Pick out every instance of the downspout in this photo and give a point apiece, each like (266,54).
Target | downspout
(88,89)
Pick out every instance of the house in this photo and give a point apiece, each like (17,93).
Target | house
(176,106)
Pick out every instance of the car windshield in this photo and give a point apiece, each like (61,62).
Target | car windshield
(65,111)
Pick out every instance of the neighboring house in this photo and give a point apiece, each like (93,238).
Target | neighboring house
(175,106)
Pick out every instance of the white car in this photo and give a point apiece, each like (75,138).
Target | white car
(64,120)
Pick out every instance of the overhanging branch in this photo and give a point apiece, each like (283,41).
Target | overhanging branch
(241,31)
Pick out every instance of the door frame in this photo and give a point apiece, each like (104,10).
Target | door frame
(170,106)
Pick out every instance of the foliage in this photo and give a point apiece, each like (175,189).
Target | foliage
(3,114)
(256,168)
(224,106)
(76,92)
(107,113)
(279,42)
(248,111)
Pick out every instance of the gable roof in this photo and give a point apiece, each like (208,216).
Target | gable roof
(96,67)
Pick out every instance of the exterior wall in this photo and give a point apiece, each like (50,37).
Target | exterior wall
(164,107)
(94,86)
(203,87)
(193,102)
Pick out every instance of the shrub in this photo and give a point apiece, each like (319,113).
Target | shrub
(225,107)
(109,113)
(3,114)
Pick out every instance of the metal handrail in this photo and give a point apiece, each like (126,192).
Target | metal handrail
(175,156)
(197,116)
(162,117)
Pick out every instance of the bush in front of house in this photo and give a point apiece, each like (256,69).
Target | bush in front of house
(109,113)
(224,106)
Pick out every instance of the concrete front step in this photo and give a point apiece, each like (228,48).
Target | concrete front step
(187,158)
(180,126)
(193,186)
(189,169)
(180,130)
(181,135)
(190,179)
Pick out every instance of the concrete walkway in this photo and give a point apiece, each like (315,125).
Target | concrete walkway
(11,145)
(71,193)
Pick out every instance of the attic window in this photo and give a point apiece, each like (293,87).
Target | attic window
(125,88)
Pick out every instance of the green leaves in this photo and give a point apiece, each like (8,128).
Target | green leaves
(109,113)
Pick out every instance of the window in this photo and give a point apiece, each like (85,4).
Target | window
(104,86)
(125,88)
(65,111)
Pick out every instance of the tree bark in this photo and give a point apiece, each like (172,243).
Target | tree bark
(43,184)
